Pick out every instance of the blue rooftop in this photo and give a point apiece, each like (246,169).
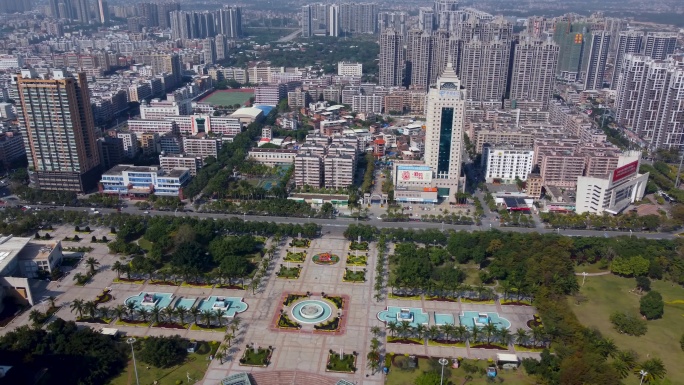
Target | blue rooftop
(263,107)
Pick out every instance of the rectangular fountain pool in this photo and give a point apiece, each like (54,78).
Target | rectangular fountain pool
(443,319)
(414,315)
(186,303)
(231,305)
(470,318)
(150,299)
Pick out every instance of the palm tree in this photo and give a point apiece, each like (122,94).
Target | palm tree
(420,332)
(79,277)
(490,329)
(504,335)
(373,358)
(606,347)
(195,313)
(77,306)
(207,315)
(92,263)
(654,369)
(182,312)
(156,313)
(624,362)
(474,333)
(105,312)
(522,337)
(375,330)
(119,268)
(433,332)
(461,331)
(90,307)
(51,299)
(120,312)
(537,335)
(393,328)
(404,328)
(219,355)
(228,338)
(143,313)
(168,313)
(35,316)
(219,313)
(130,308)
(448,331)
(506,287)
(236,321)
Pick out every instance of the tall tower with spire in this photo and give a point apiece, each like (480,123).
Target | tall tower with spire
(445,113)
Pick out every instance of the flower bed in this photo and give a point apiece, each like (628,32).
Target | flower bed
(354,276)
(300,242)
(401,340)
(440,299)
(261,357)
(96,320)
(525,348)
(478,301)
(232,287)
(165,283)
(332,325)
(325,259)
(512,302)
(490,345)
(346,364)
(534,322)
(137,323)
(129,280)
(451,344)
(403,296)
(293,297)
(210,328)
(103,298)
(295,257)
(360,260)
(362,246)
(170,325)
(289,272)
(284,322)
(338,301)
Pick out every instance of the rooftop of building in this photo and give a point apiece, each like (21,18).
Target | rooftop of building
(119,169)
(37,250)
(10,247)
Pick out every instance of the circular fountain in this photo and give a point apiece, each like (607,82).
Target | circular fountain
(311,311)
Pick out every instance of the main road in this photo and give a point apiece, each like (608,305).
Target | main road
(338,225)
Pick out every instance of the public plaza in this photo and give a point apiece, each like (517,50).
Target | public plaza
(299,355)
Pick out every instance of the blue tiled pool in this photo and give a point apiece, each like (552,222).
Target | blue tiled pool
(414,315)
(470,318)
(231,305)
(443,319)
(186,303)
(149,299)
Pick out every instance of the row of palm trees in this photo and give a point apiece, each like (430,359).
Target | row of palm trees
(478,292)
(488,333)
(131,312)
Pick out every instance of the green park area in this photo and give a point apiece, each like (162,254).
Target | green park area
(471,372)
(604,295)
(193,365)
(228,98)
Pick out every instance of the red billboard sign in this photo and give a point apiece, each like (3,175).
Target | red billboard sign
(625,171)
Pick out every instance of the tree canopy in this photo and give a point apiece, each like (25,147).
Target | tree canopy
(163,352)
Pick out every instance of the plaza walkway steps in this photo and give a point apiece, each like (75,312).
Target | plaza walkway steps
(291,377)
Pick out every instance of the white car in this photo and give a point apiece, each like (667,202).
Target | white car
(146,212)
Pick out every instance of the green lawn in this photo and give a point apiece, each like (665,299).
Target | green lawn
(456,376)
(225,98)
(610,293)
(145,244)
(195,365)
(589,268)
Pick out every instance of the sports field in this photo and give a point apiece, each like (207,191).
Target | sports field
(228,97)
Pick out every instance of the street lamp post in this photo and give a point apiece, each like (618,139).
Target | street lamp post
(643,374)
(442,361)
(131,341)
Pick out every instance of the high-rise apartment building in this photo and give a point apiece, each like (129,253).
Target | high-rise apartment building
(573,40)
(82,11)
(201,25)
(484,69)
(103,11)
(391,66)
(443,11)
(660,45)
(627,42)
(426,19)
(650,100)
(397,20)
(445,115)
(358,18)
(598,57)
(308,170)
(150,13)
(315,19)
(427,55)
(533,71)
(164,13)
(12,6)
(57,125)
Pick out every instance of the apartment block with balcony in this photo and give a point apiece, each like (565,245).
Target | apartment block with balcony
(308,170)
(339,171)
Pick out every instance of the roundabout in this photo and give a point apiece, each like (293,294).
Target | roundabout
(311,311)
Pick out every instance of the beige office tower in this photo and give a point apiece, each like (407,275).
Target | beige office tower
(484,69)
(391,58)
(445,115)
(57,124)
(533,71)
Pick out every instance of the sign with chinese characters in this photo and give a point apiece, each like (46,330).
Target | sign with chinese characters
(627,170)
(414,174)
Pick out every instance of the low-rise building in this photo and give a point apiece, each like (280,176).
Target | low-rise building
(169,162)
(141,181)
(272,156)
(507,163)
(157,126)
(39,256)
(201,146)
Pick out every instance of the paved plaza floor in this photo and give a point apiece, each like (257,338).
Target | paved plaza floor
(301,352)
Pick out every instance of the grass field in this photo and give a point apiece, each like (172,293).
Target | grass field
(607,294)
(195,365)
(228,98)
(456,376)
